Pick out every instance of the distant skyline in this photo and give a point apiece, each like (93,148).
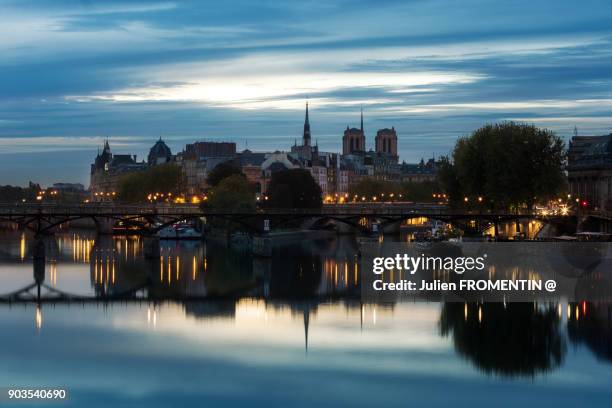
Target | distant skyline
(73,73)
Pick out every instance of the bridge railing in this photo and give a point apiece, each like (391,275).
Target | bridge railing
(365,209)
(97,208)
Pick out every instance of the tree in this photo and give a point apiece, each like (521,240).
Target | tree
(233,193)
(509,165)
(294,188)
(390,190)
(511,340)
(369,187)
(447,178)
(164,179)
(221,171)
(419,191)
(17,194)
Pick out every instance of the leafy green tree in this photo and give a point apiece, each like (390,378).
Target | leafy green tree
(420,191)
(136,187)
(509,165)
(294,188)
(369,187)
(233,193)
(221,171)
(446,174)
(414,191)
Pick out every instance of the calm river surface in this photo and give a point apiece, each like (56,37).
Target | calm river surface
(285,331)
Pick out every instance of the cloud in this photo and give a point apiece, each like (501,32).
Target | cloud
(187,70)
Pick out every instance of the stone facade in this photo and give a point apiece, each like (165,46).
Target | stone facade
(590,172)
(107,170)
(386,142)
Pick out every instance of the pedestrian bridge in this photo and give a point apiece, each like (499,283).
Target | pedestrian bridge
(150,218)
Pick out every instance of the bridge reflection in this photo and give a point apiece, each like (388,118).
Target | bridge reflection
(300,276)
(213,282)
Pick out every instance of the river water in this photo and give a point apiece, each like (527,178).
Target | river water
(227,329)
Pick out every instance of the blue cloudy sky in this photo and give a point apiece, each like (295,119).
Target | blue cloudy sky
(75,72)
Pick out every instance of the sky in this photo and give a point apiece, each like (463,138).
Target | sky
(73,73)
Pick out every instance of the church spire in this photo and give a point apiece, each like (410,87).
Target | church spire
(361,118)
(306,135)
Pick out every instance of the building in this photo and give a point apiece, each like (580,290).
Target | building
(199,158)
(335,173)
(319,174)
(159,154)
(418,173)
(277,161)
(342,181)
(305,152)
(108,169)
(353,140)
(210,149)
(250,164)
(385,166)
(330,162)
(589,171)
(386,142)
(69,187)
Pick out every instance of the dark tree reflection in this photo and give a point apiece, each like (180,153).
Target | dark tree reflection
(516,340)
(296,273)
(230,272)
(591,324)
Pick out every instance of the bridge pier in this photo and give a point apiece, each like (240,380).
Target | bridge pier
(392,227)
(104,225)
(150,247)
(345,229)
(262,270)
(43,227)
(39,258)
(262,245)
(517,227)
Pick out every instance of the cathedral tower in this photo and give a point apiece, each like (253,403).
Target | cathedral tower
(386,142)
(353,140)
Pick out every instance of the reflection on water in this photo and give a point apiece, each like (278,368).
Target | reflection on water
(591,325)
(294,320)
(511,340)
